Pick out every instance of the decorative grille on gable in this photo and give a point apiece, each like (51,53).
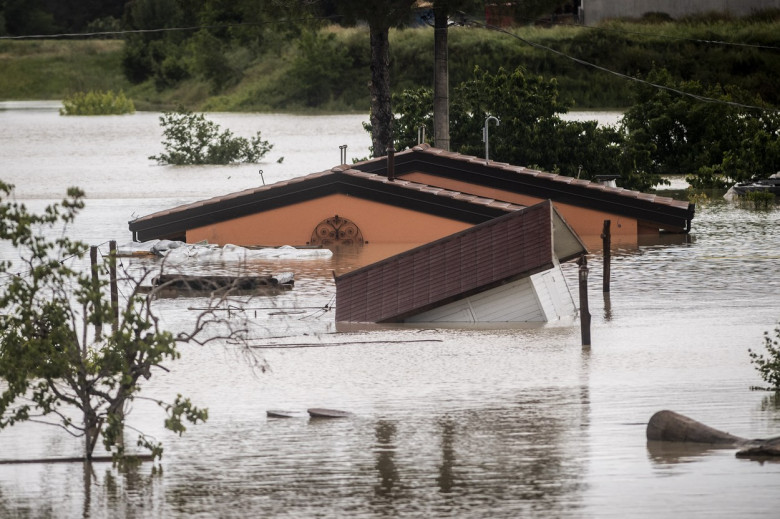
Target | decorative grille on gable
(336,231)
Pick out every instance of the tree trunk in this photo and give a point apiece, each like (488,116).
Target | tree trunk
(441,95)
(381,111)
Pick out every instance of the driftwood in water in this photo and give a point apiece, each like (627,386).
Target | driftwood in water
(669,426)
(172,285)
(217,282)
(760,448)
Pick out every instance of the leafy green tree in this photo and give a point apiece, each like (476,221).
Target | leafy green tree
(27,17)
(769,366)
(713,143)
(65,346)
(317,73)
(531,132)
(190,138)
(156,54)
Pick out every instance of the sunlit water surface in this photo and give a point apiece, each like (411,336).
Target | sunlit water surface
(503,421)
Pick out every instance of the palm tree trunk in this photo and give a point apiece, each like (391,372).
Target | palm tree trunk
(441,96)
(381,111)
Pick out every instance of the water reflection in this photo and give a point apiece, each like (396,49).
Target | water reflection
(663,454)
(459,421)
(607,306)
(385,459)
(446,477)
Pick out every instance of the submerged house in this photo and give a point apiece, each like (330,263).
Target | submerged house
(435,236)
(504,270)
(385,206)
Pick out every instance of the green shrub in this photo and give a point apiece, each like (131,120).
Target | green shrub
(768,367)
(758,199)
(190,138)
(97,103)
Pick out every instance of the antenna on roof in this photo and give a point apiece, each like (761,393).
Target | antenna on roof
(262,177)
(486,138)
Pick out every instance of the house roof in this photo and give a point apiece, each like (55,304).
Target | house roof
(368,180)
(479,258)
(338,180)
(666,212)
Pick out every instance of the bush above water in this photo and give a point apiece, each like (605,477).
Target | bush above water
(190,138)
(97,103)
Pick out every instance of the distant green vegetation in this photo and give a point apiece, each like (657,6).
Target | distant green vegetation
(97,103)
(54,69)
(328,70)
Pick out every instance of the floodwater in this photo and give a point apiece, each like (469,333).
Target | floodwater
(501,421)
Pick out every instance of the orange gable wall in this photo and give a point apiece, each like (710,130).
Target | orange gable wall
(586,222)
(294,224)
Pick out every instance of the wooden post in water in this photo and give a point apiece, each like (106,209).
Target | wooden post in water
(606,239)
(584,310)
(93,250)
(114,288)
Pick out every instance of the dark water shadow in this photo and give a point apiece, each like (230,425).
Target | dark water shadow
(664,453)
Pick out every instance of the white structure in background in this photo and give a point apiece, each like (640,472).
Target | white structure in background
(593,11)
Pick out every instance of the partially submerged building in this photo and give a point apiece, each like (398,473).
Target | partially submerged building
(504,270)
(387,205)
(437,236)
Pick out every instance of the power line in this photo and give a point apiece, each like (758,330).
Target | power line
(704,99)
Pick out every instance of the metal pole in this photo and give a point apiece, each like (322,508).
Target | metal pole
(96,288)
(584,310)
(114,288)
(606,239)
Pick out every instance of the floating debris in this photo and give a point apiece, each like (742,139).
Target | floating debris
(328,413)
(277,413)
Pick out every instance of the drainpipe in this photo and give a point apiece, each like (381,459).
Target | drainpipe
(390,163)
(486,138)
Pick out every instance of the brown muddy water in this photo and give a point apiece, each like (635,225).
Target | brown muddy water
(501,421)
